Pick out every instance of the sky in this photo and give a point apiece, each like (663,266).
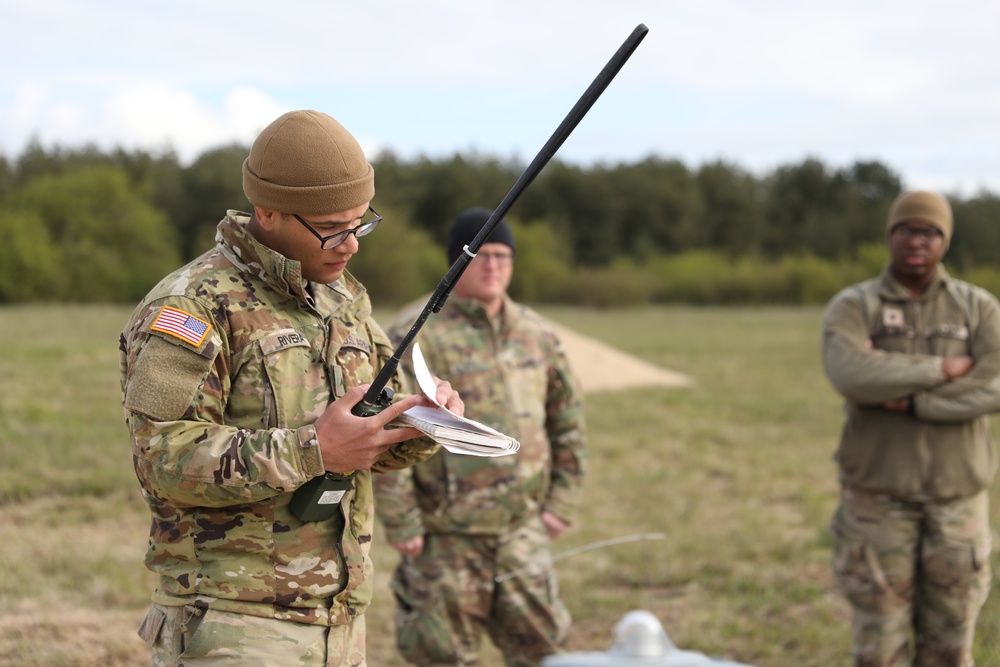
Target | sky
(914,84)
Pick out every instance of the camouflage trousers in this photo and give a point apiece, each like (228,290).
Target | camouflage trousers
(448,596)
(194,637)
(916,575)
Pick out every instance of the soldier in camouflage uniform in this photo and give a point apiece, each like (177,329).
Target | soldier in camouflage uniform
(462,522)
(916,355)
(239,372)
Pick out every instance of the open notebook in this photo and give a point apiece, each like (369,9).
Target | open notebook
(457,434)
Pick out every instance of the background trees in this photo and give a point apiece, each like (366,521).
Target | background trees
(85,225)
(82,235)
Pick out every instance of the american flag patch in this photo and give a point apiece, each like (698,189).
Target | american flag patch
(182,325)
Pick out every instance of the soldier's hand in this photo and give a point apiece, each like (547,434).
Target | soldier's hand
(897,405)
(553,524)
(956,367)
(448,397)
(348,442)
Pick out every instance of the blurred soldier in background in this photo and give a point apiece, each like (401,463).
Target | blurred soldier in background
(462,521)
(239,372)
(916,355)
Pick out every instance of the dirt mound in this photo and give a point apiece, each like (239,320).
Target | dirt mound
(601,367)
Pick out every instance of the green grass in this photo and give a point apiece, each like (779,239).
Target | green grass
(735,474)
(60,411)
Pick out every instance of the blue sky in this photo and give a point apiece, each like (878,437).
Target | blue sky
(914,84)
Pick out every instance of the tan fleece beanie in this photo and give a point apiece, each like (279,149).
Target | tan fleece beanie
(306,162)
(925,206)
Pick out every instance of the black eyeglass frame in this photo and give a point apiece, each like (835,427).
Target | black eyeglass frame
(365,228)
(926,234)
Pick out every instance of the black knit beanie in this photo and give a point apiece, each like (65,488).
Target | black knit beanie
(467,225)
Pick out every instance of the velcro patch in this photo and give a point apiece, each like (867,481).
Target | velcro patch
(892,317)
(164,379)
(179,324)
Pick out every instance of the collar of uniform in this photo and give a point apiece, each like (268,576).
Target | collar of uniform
(235,241)
(342,295)
(474,309)
(893,290)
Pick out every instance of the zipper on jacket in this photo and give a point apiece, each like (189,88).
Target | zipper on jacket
(270,417)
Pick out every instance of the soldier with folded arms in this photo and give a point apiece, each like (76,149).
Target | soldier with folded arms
(916,355)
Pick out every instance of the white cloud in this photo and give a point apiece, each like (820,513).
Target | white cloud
(904,82)
(151,116)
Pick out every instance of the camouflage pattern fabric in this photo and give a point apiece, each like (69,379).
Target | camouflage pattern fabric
(196,637)
(912,541)
(448,596)
(916,575)
(513,375)
(225,366)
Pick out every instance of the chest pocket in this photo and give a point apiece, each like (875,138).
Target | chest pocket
(353,361)
(529,381)
(478,382)
(294,387)
(890,324)
(939,339)
(949,340)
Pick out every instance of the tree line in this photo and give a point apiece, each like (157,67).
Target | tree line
(81,224)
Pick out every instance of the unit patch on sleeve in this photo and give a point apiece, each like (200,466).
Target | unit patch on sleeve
(181,325)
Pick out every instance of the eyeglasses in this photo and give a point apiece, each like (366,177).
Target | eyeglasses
(333,240)
(906,233)
(501,258)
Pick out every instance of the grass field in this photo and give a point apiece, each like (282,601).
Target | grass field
(735,474)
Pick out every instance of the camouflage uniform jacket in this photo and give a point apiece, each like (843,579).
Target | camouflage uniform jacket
(225,367)
(880,344)
(513,375)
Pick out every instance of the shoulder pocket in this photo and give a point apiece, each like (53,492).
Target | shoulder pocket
(164,379)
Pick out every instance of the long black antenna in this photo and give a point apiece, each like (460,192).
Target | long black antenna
(374,398)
